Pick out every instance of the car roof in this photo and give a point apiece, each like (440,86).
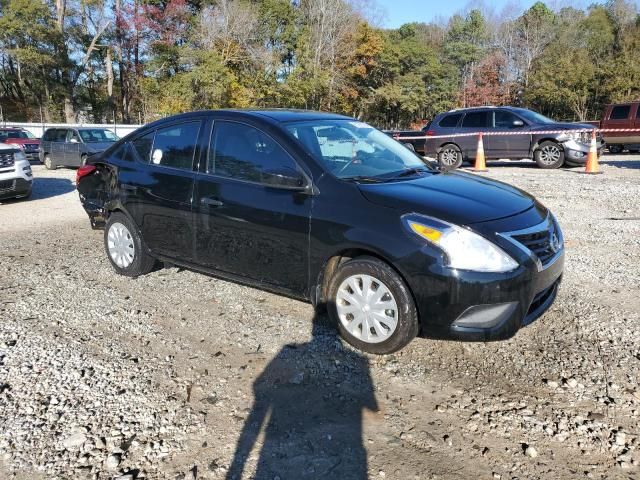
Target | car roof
(271,115)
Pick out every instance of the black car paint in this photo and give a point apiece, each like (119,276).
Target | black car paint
(288,241)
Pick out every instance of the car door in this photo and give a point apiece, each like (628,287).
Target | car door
(474,122)
(515,146)
(57,152)
(246,224)
(157,190)
(72,146)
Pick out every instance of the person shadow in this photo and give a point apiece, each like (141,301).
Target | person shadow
(309,404)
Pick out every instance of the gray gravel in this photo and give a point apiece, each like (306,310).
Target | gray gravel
(107,377)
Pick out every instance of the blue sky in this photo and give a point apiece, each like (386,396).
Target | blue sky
(398,12)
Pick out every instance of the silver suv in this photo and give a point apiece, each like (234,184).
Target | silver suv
(549,150)
(16,177)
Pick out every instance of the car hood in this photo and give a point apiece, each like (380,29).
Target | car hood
(562,126)
(23,141)
(98,146)
(455,197)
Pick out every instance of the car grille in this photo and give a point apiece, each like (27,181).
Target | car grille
(6,160)
(7,185)
(539,301)
(544,243)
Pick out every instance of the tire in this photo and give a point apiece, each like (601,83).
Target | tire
(370,275)
(410,146)
(48,163)
(128,256)
(549,155)
(449,157)
(615,149)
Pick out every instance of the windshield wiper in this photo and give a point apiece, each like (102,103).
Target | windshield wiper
(410,171)
(364,178)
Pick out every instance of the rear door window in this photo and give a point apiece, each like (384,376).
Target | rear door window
(175,146)
(450,121)
(476,120)
(620,112)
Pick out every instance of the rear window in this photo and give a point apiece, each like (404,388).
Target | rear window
(450,120)
(620,112)
(175,146)
(476,119)
(142,146)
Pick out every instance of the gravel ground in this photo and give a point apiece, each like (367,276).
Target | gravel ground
(171,375)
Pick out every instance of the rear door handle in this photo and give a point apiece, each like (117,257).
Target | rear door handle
(211,202)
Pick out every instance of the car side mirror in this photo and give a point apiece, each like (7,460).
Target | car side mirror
(518,123)
(284,178)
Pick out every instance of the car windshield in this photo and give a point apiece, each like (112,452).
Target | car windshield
(354,150)
(534,117)
(15,134)
(97,135)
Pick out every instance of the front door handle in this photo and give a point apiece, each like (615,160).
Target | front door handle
(211,202)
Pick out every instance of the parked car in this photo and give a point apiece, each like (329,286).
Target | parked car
(417,144)
(621,115)
(391,246)
(16,177)
(70,147)
(548,150)
(23,139)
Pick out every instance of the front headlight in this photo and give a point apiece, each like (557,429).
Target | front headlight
(464,249)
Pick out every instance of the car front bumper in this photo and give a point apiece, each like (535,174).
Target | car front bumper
(576,152)
(16,181)
(481,306)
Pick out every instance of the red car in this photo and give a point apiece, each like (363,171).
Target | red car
(23,139)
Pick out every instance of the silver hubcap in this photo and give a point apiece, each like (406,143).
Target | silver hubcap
(366,308)
(449,156)
(549,155)
(120,245)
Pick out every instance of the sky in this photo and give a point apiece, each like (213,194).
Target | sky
(398,12)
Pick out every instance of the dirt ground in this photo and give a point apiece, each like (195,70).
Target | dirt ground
(178,375)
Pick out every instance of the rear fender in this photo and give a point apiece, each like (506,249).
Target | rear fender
(96,194)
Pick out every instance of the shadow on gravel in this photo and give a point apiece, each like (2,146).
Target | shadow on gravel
(309,405)
(51,187)
(635,164)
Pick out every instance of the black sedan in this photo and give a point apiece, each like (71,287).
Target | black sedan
(327,209)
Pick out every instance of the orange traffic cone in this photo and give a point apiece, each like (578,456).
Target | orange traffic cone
(480,165)
(592,156)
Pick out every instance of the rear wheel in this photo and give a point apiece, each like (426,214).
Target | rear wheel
(124,247)
(549,155)
(48,163)
(450,157)
(615,149)
(372,306)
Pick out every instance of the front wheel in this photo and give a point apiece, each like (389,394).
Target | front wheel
(124,247)
(372,306)
(48,163)
(450,157)
(614,149)
(549,155)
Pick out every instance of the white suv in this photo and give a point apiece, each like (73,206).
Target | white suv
(16,177)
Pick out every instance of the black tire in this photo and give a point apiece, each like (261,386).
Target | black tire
(549,155)
(410,146)
(407,315)
(48,163)
(142,263)
(449,157)
(615,149)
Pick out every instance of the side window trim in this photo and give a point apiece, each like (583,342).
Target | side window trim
(205,170)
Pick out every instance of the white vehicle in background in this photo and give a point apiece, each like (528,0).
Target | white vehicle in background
(16,177)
